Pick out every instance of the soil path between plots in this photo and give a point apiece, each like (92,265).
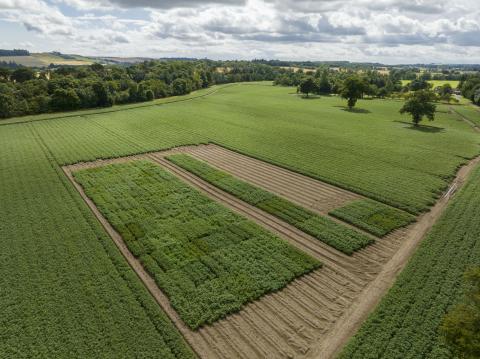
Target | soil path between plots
(351,322)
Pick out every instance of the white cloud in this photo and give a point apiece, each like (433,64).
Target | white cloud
(382,30)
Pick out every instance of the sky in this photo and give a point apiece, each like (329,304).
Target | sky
(386,31)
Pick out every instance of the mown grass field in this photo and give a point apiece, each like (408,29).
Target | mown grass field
(68,290)
(470,112)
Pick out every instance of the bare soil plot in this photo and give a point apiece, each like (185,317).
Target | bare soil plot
(313,316)
(297,188)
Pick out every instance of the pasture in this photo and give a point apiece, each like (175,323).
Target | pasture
(436,83)
(65,278)
(45,59)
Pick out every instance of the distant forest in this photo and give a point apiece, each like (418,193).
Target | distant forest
(26,91)
(14,52)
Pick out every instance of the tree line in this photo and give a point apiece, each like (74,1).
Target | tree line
(470,88)
(328,81)
(353,86)
(25,91)
(14,52)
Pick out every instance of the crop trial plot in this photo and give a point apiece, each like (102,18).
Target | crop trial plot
(62,260)
(322,228)
(186,242)
(207,259)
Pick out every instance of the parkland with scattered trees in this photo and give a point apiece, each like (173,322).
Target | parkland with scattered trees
(29,91)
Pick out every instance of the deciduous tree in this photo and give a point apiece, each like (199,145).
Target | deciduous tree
(420,104)
(308,86)
(352,89)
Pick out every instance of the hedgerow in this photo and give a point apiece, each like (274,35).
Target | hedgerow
(207,259)
(342,238)
(373,217)
(406,322)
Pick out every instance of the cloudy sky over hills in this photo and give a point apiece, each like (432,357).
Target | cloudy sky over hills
(390,31)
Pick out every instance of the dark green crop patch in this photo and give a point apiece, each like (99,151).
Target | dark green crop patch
(207,259)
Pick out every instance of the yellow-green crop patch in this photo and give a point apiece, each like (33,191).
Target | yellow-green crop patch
(436,83)
(208,260)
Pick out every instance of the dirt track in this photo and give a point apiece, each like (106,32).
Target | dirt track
(315,315)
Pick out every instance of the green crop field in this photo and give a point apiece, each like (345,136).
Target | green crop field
(471,113)
(342,238)
(405,324)
(373,217)
(317,137)
(208,260)
(67,291)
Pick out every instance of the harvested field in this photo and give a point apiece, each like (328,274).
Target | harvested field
(314,315)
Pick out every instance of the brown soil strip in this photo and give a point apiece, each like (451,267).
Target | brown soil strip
(297,188)
(315,315)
